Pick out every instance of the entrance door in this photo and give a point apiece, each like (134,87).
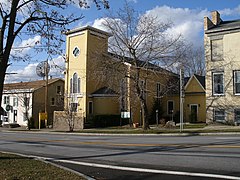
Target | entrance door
(194,113)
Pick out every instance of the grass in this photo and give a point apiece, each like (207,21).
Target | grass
(15,167)
(188,128)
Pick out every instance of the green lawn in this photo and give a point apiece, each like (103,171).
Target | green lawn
(14,167)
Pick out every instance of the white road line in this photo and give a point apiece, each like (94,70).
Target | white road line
(179,173)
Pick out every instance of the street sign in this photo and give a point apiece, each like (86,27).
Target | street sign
(125,115)
(42,116)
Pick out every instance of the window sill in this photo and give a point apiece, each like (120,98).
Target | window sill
(78,95)
(218,95)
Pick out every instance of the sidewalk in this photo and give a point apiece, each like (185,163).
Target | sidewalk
(207,130)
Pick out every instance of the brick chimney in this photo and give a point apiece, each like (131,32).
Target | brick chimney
(216,18)
(207,23)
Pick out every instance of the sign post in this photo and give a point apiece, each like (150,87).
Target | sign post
(181,98)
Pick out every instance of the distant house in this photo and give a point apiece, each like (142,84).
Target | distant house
(195,99)
(194,106)
(222,50)
(27,99)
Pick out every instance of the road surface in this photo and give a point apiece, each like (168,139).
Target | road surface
(133,157)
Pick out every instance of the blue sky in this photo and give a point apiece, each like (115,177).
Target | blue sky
(186,15)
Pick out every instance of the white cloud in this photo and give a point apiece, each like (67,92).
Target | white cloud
(98,23)
(135,1)
(29,72)
(229,12)
(21,49)
(187,22)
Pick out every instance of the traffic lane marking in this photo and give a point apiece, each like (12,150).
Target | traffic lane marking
(123,144)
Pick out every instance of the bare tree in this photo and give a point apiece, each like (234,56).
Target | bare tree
(194,61)
(30,17)
(143,42)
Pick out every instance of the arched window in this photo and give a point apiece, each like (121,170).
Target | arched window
(75,84)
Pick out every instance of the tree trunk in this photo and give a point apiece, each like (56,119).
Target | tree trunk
(3,68)
(144,114)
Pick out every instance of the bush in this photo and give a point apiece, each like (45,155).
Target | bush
(108,120)
(31,123)
(176,117)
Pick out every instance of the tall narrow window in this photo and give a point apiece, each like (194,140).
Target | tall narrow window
(237,82)
(15,101)
(71,85)
(217,50)
(59,89)
(218,84)
(53,101)
(75,82)
(78,86)
(6,100)
(170,107)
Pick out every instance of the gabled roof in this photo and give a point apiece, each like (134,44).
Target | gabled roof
(143,64)
(104,91)
(29,85)
(200,80)
(225,26)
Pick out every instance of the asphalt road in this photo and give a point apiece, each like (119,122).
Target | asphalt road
(133,157)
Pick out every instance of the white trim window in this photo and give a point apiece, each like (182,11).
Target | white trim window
(15,101)
(218,83)
(237,82)
(170,107)
(219,115)
(217,49)
(6,100)
(75,84)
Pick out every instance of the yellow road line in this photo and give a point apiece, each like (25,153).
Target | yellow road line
(124,144)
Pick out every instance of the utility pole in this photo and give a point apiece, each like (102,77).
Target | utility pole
(46,75)
(181,97)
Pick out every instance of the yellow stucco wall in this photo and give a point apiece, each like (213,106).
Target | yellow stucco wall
(39,101)
(106,106)
(195,95)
